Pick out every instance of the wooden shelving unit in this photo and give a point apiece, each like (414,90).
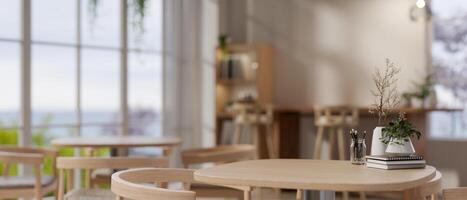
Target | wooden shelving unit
(251,75)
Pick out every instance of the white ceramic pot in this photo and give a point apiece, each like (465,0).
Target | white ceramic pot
(401,148)
(417,103)
(378,147)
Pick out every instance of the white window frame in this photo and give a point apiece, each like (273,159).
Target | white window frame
(25,126)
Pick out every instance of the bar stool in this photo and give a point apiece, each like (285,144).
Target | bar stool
(252,116)
(335,119)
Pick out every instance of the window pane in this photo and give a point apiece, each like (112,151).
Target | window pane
(145,34)
(101,23)
(53,85)
(100,129)
(9,84)
(42,136)
(9,136)
(145,93)
(100,86)
(449,47)
(10,22)
(54,21)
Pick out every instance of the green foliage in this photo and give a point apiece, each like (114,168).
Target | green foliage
(398,130)
(423,90)
(138,8)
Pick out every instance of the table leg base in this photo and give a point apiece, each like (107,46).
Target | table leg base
(319,195)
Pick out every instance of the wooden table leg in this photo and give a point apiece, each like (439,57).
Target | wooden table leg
(167,151)
(412,194)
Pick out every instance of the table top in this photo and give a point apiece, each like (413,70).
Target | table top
(313,175)
(116,141)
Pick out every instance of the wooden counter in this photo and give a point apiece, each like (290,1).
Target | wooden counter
(288,124)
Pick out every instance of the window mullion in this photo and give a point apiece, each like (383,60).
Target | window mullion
(124,67)
(78,67)
(25,136)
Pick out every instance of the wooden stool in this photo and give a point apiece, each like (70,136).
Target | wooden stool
(334,118)
(252,116)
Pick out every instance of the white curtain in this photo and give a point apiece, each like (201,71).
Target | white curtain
(190,35)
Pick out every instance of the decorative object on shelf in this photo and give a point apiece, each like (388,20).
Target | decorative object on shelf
(423,96)
(397,135)
(357,148)
(386,98)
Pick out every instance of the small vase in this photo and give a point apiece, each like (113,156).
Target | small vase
(378,147)
(400,147)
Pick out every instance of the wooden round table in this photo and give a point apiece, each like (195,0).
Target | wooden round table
(167,143)
(321,175)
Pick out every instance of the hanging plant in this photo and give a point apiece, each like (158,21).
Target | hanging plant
(139,13)
(92,11)
(137,8)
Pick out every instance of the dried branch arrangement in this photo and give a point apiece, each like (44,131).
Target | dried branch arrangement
(386,95)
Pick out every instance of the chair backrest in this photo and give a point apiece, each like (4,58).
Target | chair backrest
(109,162)
(91,163)
(133,184)
(220,154)
(335,115)
(26,155)
(455,193)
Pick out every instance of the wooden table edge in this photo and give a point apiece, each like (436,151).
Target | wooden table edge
(324,187)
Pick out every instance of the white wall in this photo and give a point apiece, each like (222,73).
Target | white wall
(327,49)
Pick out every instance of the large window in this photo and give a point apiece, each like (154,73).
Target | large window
(449,52)
(82,68)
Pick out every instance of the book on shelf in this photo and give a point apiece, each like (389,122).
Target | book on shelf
(391,167)
(406,162)
(394,158)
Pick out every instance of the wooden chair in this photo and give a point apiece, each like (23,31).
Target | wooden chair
(218,155)
(252,116)
(455,193)
(141,184)
(68,164)
(35,186)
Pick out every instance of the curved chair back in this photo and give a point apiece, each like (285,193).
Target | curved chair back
(455,194)
(36,187)
(133,184)
(67,164)
(220,154)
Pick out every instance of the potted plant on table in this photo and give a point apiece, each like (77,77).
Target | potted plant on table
(386,98)
(397,135)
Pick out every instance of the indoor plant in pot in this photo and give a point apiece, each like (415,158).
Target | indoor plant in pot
(386,98)
(397,135)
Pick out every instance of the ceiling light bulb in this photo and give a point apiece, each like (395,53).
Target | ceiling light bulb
(420,3)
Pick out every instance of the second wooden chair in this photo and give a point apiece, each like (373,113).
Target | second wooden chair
(65,165)
(218,155)
(142,184)
(455,194)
